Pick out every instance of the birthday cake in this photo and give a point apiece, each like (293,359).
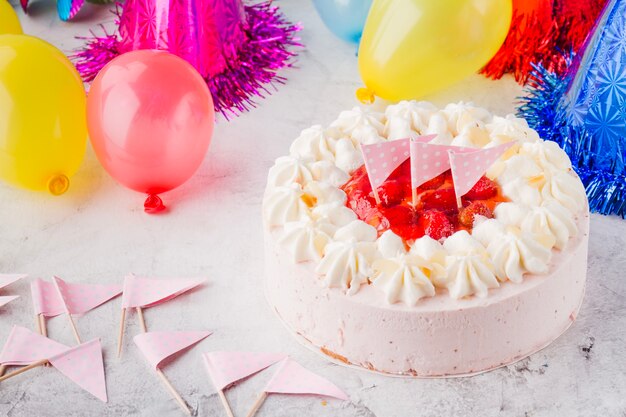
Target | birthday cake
(428,280)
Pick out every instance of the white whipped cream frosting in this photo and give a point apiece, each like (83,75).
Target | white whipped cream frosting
(304,203)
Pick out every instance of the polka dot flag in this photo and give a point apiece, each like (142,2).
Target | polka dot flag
(80,298)
(82,364)
(24,347)
(6,299)
(8,279)
(226,368)
(159,346)
(429,160)
(468,167)
(148,292)
(5,280)
(46,298)
(381,159)
(292,378)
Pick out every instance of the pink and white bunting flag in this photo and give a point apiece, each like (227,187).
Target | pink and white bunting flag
(430,160)
(6,299)
(83,364)
(159,346)
(147,292)
(8,279)
(24,347)
(469,167)
(226,368)
(46,298)
(81,298)
(292,378)
(381,159)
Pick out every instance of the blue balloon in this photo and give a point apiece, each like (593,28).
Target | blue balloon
(584,111)
(345,18)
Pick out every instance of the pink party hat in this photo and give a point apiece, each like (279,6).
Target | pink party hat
(237,48)
(226,368)
(159,346)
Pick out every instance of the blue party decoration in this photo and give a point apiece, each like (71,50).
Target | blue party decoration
(345,18)
(584,111)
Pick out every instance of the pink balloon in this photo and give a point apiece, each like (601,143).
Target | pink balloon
(150,117)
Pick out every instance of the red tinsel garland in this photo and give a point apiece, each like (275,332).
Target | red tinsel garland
(543,31)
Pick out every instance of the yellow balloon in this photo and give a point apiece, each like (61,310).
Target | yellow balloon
(9,22)
(411,48)
(43,129)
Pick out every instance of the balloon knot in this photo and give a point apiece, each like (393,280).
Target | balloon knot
(365,95)
(153,204)
(58,184)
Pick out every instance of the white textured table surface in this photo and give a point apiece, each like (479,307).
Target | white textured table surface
(98,232)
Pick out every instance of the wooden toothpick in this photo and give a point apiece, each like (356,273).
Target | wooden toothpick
(38,324)
(414,196)
(142,320)
(74,329)
(257,404)
(175,394)
(42,325)
(376,196)
(229,412)
(24,369)
(2,369)
(121,334)
(459,203)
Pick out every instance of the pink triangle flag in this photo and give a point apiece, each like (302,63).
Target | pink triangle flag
(80,298)
(83,364)
(24,347)
(430,160)
(468,167)
(46,298)
(147,292)
(381,159)
(226,368)
(8,279)
(6,299)
(292,378)
(159,346)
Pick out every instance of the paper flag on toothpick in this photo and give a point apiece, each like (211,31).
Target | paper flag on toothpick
(83,364)
(24,347)
(382,158)
(430,160)
(292,378)
(8,279)
(80,298)
(468,167)
(146,292)
(226,368)
(46,298)
(5,299)
(159,346)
